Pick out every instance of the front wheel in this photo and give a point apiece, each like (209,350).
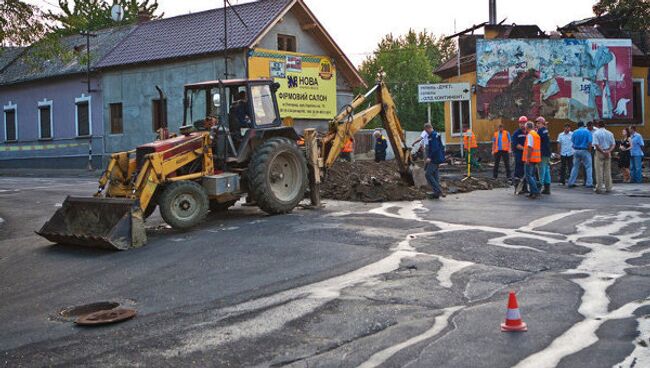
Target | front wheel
(278,175)
(183,204)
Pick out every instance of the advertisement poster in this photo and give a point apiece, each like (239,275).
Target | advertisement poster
(579,80)
(307,82)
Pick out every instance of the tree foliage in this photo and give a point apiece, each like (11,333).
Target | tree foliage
(83,15)
(20,23)
(634,14)
(407,61)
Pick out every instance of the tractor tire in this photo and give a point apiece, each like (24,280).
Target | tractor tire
(183,204)
(221,207)
(278,175)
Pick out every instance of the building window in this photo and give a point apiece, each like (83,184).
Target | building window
(83,116)
(45,120)
(11,122)
(158,113)
(638,99)
(287,43)
(460,112)
(116,118)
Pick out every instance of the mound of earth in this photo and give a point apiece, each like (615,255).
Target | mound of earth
(369,181)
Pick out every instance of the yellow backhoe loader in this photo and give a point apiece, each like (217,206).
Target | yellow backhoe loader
(202,170)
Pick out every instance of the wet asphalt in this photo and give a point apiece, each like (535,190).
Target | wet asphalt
(401,284)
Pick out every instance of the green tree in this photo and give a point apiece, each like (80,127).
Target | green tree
(82,15)
(634,14)
(407,61)
(20,23)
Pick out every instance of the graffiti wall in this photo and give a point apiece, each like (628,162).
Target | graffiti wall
(578,80)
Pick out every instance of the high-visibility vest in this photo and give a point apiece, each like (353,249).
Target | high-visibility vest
(504,138)
(348,146)
(534,154)
(469,140)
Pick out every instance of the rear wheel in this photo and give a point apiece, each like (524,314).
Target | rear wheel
(183,204)
(278,175)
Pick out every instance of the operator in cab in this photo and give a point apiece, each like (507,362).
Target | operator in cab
(239,118)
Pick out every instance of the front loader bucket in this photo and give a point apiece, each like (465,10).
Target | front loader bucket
(111,223)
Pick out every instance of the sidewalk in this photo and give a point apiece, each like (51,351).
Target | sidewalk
(51,173)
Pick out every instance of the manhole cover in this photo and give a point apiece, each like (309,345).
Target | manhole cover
(106,316)
(80,310)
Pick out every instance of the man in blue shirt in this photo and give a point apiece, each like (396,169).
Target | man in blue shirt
(435,156)
(636,153)
(545,167)
(582,140)
(518,141)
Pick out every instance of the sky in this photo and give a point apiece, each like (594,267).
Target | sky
(358,25)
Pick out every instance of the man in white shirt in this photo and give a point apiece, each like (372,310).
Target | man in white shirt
(565,146)
(424,138)
(604,144)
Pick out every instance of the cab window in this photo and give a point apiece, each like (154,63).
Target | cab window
(263,107)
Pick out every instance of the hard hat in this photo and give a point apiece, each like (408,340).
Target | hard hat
(540,119)
(523,119)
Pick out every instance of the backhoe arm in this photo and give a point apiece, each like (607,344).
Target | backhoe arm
(346,124)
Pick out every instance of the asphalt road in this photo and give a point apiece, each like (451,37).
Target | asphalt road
(420,284)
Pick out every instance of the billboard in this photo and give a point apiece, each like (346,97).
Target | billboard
(578,80)
(307,82)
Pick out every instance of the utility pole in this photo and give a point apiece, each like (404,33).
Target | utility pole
(225,37)
(226,3)
(88,34)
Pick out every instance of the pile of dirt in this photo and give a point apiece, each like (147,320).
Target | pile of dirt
(368,181)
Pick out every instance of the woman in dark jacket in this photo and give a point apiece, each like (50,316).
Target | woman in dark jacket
(624,157)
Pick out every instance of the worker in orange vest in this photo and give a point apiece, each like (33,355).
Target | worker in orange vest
(347,153)
(531,157)
(501,150)
(469,140)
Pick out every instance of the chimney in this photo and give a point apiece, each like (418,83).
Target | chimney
(493,12)
(143,16)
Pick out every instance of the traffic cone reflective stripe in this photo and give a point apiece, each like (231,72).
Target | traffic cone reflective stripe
(513,321)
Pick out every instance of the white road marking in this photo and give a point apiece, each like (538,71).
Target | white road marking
(440,323)
(603,265)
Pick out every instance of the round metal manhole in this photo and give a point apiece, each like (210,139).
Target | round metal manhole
(80,310)
(106,316)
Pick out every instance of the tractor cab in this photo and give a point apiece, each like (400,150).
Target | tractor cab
(246,113)
(243,102)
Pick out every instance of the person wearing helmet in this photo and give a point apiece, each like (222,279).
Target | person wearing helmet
(381,145)
(518,141)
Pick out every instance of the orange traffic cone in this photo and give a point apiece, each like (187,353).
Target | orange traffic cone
(513,321)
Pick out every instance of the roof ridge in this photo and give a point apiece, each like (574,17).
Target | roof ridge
(20,53)
(211,10)
(119,43)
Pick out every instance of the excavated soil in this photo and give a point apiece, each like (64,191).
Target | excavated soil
(368,181)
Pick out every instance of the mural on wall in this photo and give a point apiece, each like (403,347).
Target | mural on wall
(578,80)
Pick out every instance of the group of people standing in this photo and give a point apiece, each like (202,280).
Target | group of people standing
(589,147)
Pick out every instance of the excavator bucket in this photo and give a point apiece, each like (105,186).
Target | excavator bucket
(110,223)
